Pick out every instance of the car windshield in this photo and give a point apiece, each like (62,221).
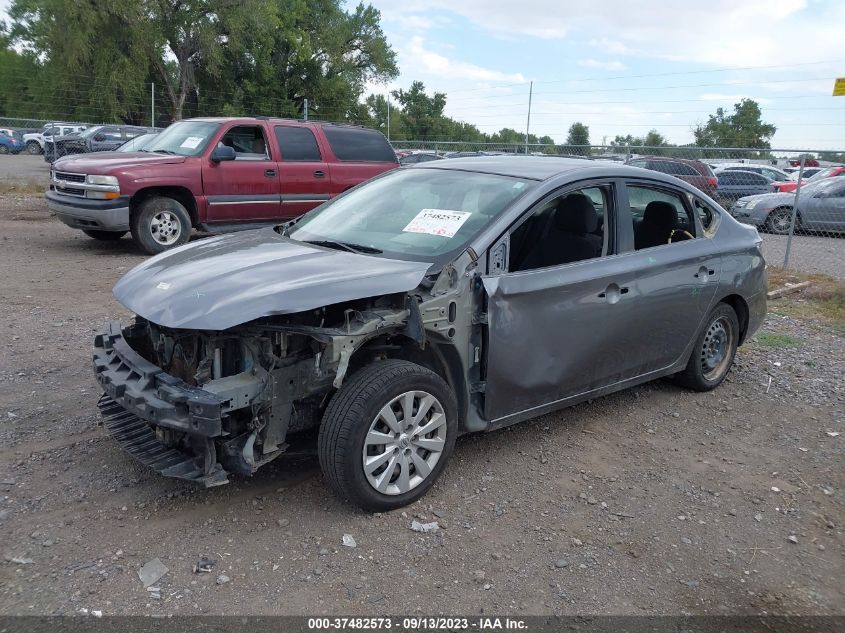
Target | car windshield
(86,133)
(185,138)
(824,173)
(137,144)
(418,214)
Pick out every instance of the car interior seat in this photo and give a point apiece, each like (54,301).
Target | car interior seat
(570,238)
(656,228)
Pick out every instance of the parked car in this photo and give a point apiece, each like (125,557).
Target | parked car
(736,184)
(695,172)
(827,172)
(418,156)
(34,141)
(138,144)
(10,145)
(449,297)
(768,171)
(808,172)
(99,138)
(808,162)
(821,207)
(218,174)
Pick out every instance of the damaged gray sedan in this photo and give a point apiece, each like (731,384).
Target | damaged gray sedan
(451,297)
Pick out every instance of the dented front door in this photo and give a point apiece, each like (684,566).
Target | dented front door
(559,333)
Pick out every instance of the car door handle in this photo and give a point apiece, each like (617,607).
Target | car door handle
(319,174)
(704,273)
(270,173)
(613,293)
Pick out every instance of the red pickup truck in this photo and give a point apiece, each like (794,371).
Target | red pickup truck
(214,174)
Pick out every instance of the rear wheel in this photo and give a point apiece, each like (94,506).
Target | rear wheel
(105,236)
(160,223)
(714,351)
(387,435)
(779,221)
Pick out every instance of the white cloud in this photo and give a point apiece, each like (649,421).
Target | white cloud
(417,59)
(724,32)
(594,63)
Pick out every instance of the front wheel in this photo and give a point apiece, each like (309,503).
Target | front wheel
(779,221)
(105,236)
(714,351)
(33,148)
(160,223)
(387,435)
(4,149)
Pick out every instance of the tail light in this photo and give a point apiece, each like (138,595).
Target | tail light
(713,182)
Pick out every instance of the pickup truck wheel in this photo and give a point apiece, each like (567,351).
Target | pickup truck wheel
(33,148)
(387,434)
(160,223)
(106,236)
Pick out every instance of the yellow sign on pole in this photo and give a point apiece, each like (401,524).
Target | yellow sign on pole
(839,87)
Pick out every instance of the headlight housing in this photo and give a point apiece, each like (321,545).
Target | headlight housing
(752,204)
(102,180)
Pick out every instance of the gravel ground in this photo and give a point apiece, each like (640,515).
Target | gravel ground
(809,253)
(650,501)
(24,168)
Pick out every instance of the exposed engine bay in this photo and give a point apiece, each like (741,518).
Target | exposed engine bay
(232,399)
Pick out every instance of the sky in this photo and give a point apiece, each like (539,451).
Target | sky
(624,66)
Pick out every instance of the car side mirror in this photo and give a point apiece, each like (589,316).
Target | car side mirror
(99,137)
(223,152)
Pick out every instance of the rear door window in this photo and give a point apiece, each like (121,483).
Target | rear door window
(297,143)
(355,144)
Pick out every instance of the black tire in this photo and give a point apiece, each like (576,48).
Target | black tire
(779,219)
(105,236)
(33,148)
(4,149)
(702,372)
(349,416)
(168,213)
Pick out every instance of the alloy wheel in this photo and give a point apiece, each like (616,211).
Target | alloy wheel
(404,442)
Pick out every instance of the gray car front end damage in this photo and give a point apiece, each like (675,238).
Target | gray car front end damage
(214,375)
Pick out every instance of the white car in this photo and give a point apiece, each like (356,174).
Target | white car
(35,141)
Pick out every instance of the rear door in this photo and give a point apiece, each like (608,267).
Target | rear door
(244,190)
(304,175)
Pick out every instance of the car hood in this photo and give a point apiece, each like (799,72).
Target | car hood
(107,162)
(223,281)
(773,199)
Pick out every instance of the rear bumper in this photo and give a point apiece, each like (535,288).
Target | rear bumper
(84,213)
(140,397)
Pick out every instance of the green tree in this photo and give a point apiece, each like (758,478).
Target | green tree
(743,128)
(96,59)
(422,116)
(579,134)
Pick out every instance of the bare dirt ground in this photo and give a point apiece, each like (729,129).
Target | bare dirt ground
(651,501)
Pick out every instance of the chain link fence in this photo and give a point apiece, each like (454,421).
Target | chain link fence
(799,212)
(795,197)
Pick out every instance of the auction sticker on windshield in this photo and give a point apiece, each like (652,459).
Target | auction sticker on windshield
(191,142)
(442,222)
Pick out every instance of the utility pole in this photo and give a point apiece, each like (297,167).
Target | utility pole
(305,107)
(152,104)
(528,122)
(388,117)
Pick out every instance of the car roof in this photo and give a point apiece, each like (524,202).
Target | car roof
(539,167)
(253,119)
